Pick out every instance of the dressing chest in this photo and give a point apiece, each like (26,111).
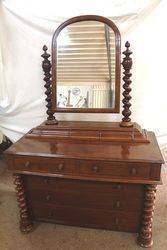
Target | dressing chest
(91,174)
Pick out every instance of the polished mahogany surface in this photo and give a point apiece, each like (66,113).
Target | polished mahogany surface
(92,131)
(125,152)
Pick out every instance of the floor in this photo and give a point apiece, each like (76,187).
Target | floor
(58,237)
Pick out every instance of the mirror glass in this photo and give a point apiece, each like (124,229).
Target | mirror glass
(86,66)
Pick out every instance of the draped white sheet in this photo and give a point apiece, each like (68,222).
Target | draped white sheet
(26,25)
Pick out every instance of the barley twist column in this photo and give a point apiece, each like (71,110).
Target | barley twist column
(127,64)
(26,224)
(46,65)
(145,235)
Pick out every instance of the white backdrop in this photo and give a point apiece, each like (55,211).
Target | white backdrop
(25,26)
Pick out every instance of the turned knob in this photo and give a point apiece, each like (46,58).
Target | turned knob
(27,164)
(51,213)
(60,166)
(119,186)
(95,168)
(48,197)
(133,171)
(117,204)
(116,221)
(46,180)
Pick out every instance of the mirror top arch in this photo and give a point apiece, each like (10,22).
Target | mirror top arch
(77,19)
(86,107)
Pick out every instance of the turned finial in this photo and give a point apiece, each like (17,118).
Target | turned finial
(46,66)
(127,64)
(45,48)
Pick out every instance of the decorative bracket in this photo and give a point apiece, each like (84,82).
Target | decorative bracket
(46,66)
(127,64)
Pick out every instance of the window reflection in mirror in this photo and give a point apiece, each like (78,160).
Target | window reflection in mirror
(86,66)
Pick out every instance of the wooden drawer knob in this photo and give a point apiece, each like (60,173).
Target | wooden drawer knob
(60,167)
(95,168)
(116,221)
(117,204)
(51,213)
(119,186)
(27,164)
(133,171)
(48,197)
(46,180)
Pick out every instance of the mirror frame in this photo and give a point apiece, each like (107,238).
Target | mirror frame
(76,19)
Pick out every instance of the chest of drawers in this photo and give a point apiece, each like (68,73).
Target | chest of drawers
(98,205)
(99,185)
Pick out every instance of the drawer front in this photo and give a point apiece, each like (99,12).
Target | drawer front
(80,198)
(45,165)
(84,168)
(115,170)
(57,184)
(96,218)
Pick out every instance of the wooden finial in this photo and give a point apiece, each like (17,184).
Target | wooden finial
(127,64)
(46,66)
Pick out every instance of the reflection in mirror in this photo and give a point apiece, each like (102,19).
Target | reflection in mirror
(86,66)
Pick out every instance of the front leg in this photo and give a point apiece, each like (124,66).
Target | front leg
(26,224)
(145,235)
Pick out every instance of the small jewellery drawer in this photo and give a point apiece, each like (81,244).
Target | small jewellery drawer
(115,170)
(86,217)
(46,165)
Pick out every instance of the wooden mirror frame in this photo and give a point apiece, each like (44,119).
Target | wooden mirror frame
(101,19)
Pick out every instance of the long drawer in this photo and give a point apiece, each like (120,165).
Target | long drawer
(87,217)
(46,165)
(92,194)
(114,169)
(57,184)
(86,168)
(86,199)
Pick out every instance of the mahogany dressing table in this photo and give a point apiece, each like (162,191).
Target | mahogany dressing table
(91,174)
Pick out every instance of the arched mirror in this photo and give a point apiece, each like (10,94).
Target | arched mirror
(86,66)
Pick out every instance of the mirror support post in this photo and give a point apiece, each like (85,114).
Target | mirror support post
(127,65)
(46,66)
